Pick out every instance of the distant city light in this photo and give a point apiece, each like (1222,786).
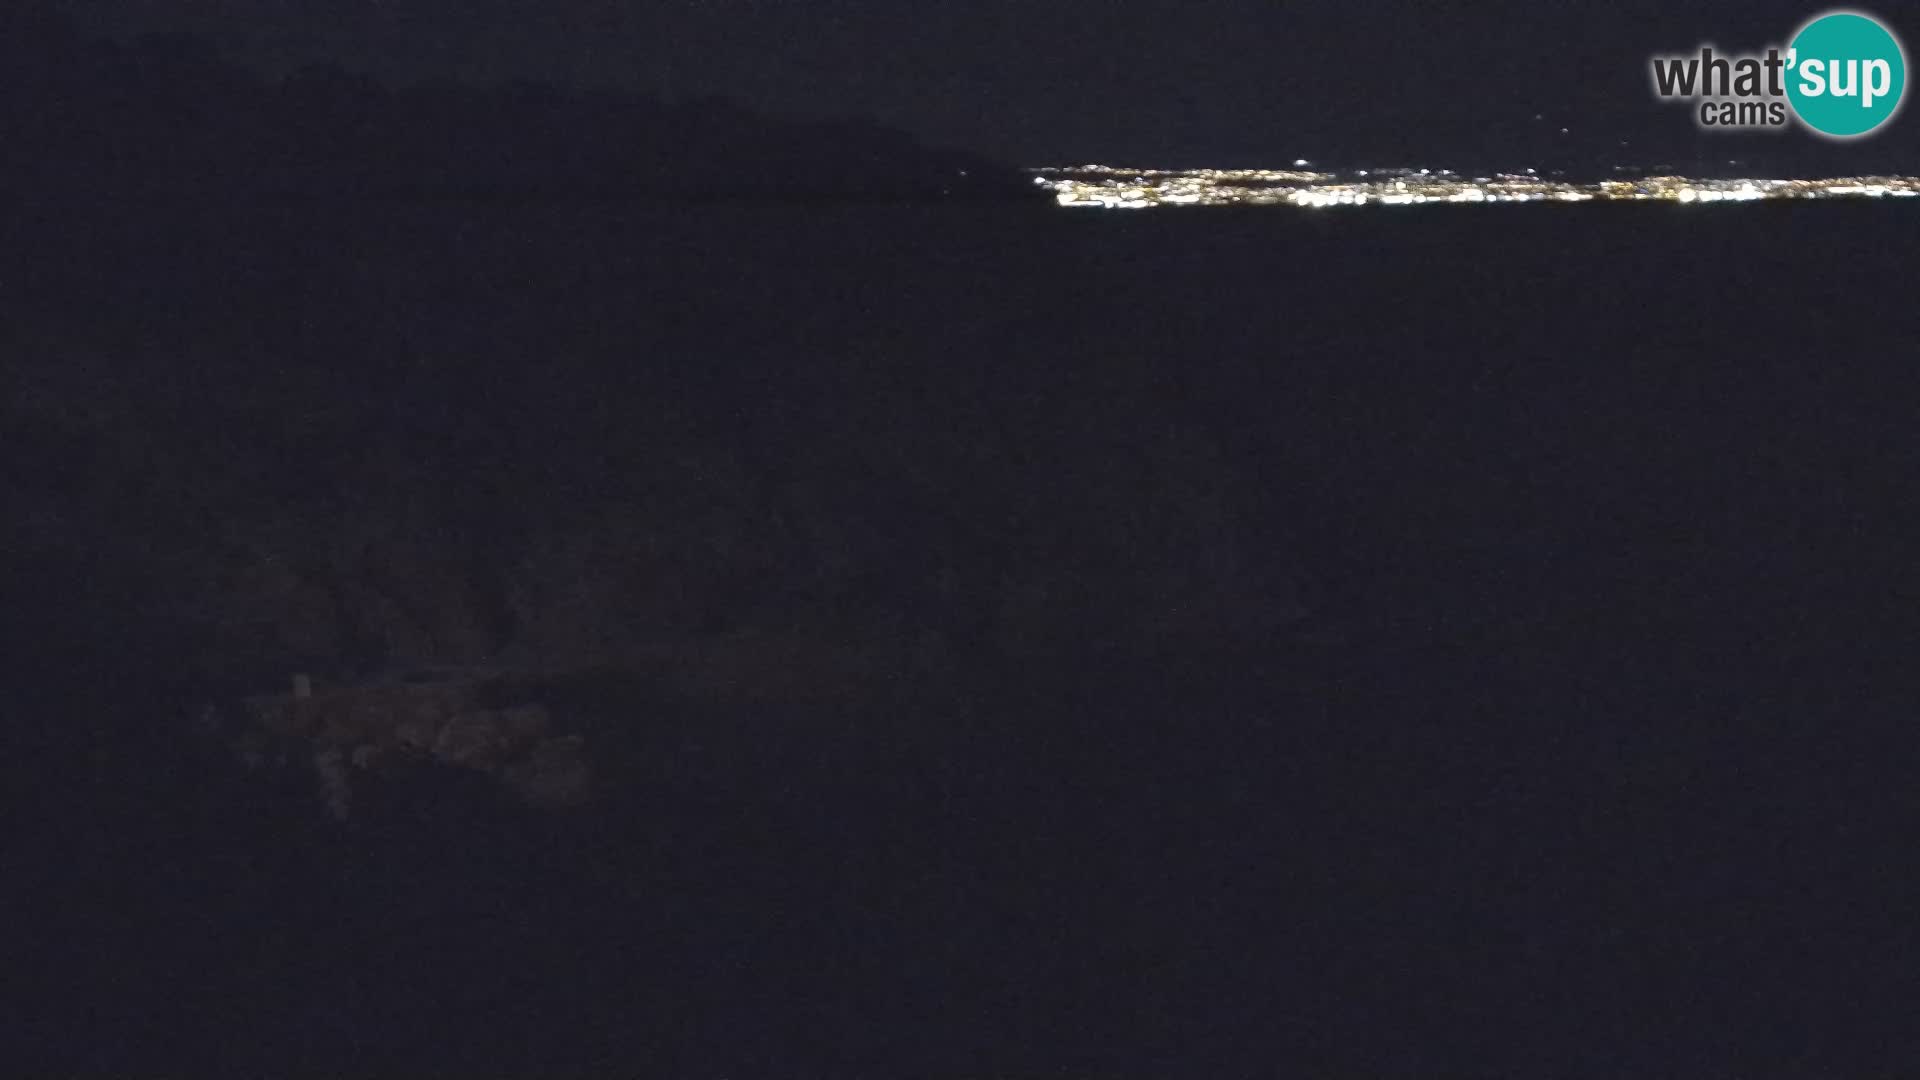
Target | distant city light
(1101,186)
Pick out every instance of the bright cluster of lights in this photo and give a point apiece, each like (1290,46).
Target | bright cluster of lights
(1216,176)
(1101,186)
(1743,193)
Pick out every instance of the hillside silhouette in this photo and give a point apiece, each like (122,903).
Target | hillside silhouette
(165,114)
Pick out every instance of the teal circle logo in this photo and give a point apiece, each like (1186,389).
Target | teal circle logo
(1846,74)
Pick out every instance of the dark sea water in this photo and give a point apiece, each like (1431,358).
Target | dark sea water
(1578,737)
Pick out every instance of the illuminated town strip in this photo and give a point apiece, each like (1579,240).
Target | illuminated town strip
(1104,187)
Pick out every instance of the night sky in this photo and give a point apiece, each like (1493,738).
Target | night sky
(1161,82)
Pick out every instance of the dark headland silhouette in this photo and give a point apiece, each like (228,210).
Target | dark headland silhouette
(166,115)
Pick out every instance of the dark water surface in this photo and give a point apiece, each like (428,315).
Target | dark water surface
(1585,743)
